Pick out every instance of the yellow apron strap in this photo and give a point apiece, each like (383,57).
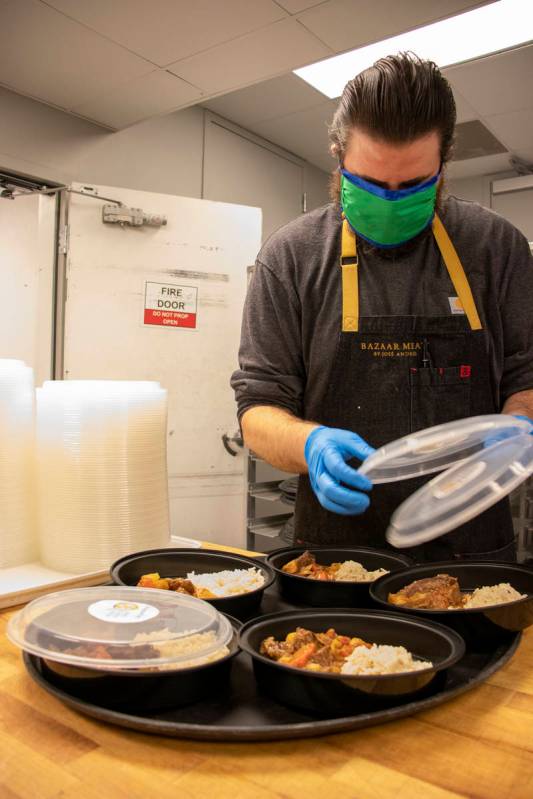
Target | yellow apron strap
(350,285)
(457,273)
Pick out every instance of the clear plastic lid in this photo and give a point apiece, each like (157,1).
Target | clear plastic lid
(437,448)
(115,628)
(462,492)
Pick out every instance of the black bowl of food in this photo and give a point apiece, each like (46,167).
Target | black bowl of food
(128,647)
(324,662)
(479,599)
(234,584)
(332,576)
(146,690)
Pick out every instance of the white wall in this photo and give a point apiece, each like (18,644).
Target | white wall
(516,207)
(164,154)
(477,187)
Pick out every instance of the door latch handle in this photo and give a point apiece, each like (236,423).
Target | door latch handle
(235,439)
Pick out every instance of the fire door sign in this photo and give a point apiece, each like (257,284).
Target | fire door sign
(170,305)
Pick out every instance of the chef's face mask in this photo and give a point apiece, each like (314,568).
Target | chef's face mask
(384,217)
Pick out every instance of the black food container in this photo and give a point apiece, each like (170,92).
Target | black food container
(479,625)
(321,593)
(178,562)
(336,694)
(145,690)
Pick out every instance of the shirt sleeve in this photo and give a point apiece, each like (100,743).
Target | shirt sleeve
(516,308)
(271,370)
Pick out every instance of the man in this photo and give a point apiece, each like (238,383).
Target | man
(415,310)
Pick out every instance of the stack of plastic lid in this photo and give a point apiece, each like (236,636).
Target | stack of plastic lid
(101,471)
(18,538)
(482,459)
(118,628)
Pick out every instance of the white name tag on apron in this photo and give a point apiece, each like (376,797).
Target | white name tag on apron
(456,306)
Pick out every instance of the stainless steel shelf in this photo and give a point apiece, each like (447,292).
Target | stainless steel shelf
(269,526)
(269,490)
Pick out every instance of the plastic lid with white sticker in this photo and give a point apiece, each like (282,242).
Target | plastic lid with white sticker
(462,492)
(437,448)
(120,628)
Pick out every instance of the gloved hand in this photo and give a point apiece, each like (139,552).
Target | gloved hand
(525,419)
(326,452)
(497,437)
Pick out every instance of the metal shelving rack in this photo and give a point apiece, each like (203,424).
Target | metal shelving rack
(523,520)
(265,525)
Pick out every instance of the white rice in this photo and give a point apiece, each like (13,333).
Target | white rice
(229,582)
(382,659)
(354,572)
(492,595)
(177,647)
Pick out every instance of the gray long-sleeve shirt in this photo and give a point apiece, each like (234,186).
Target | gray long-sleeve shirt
(292,314)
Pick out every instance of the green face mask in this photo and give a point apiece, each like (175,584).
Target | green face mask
(384,217)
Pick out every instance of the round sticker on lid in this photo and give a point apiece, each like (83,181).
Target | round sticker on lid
(121,611)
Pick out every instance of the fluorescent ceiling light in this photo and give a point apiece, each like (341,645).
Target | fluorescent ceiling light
(484,30)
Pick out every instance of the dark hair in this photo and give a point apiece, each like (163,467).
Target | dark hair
(398,99)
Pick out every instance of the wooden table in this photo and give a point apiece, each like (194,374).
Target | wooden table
(479,745)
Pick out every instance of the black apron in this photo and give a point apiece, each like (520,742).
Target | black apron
(391,376)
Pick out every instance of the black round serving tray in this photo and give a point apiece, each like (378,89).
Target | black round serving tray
(244,714)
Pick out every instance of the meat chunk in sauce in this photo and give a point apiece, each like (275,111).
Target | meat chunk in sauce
(300,564)
(431,593)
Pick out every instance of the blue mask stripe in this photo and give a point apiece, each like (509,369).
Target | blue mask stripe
(388,194)
(389,246)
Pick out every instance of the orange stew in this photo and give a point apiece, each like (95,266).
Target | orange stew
(179,584)
(306,566)
(304,649)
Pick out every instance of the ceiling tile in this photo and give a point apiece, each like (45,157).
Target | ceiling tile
(347,24)
(514,129)
(259,55)
(295,6)
(496,84)
(488,165)
(152,94)
(49,57)
(266,100)
(304,133)
(164,31)
(465,112)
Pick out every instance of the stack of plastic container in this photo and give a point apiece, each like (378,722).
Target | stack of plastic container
(18,538)
(101,471)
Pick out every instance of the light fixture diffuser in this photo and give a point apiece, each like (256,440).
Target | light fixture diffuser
(489,29)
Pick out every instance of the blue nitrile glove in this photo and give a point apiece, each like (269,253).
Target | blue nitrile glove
(506,433)
(326,452)
(525,419)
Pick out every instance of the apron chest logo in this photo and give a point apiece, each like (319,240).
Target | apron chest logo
(399,349)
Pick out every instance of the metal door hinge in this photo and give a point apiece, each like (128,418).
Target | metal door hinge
(304,202)
(63,239)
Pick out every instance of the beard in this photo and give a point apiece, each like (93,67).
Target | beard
(390,253)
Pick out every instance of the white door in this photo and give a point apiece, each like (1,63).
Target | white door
(166,304)
(27,232)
